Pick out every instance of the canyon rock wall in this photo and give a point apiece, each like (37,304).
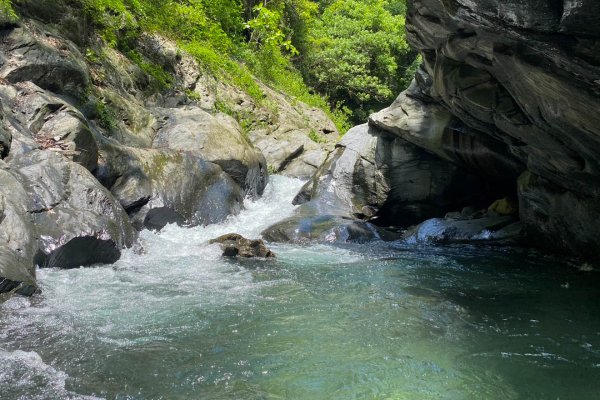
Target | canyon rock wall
(513,87)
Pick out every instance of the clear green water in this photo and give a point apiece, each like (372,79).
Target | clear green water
(322,322)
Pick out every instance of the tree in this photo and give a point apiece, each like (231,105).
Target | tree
(358,55)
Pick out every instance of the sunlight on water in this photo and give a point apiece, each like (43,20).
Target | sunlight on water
(375,321)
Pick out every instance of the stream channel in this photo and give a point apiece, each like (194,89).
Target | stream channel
(359,321)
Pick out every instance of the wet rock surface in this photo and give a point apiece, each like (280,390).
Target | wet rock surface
(159,187)
(507,87)
(235,245)
(559,219)
(376,178)
(18,237)
(78,222)
(488,230)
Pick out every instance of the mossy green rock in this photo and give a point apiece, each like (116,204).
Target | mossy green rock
(162,186)
(193,130)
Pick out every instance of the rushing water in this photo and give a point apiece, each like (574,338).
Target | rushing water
(377,321)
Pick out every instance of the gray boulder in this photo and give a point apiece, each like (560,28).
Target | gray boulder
(376,174)
(160,186)
(28,53)
(78,221)
(498,67)
(294,137)
(289,151)
(194,130)
(49,122)
(419,119)
(309,225)
(18,239)
(558,219)
(129,121)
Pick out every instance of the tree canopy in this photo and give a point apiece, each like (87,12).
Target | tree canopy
(358,55)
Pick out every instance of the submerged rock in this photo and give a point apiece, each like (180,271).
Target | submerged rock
(235,245)
(488,230)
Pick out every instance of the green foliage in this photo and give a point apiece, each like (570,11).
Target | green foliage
(159,79)
(106,116)
(225,68)
(346,57)
(359,54)
(116,19)
(7,12)
(246,120)
(314,136)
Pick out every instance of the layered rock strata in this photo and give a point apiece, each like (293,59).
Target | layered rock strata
(525,74)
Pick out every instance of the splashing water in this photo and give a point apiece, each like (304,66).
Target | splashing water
(374,321)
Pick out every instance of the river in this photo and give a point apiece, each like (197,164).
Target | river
(377,321)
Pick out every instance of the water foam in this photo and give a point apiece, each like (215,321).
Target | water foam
(25,372)
(137,300)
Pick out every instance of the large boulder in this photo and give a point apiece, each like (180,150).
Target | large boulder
(18,239)
(298,140)
(161,186)
(376,174)
(194,130)
(308,225)
(122,117)
(294,137)
(499,93)
(417,118)
(50,122)
(78,221)
(28,53)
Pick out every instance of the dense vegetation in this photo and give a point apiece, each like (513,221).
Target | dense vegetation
(349,57)
(7,14)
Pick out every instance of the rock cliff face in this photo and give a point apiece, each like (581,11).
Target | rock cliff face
(505,106)
(524,78)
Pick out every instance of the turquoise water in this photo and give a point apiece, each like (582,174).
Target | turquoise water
(321,322)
